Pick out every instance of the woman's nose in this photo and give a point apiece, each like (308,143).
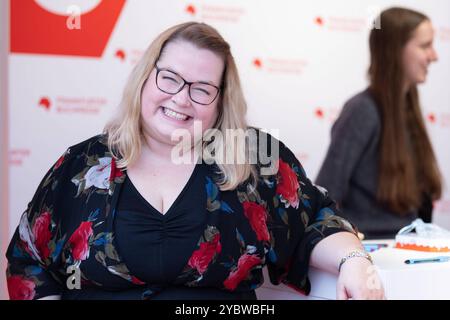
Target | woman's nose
(182,98)
(433,55)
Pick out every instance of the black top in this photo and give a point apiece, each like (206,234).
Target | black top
(156,246)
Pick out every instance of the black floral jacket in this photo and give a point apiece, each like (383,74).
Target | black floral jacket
(69,224)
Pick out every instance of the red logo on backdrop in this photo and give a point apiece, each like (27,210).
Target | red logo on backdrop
(190,9)
(319,21)
(222,12)
(45,103)
(326,113)
(18,156)
(319,113)
(280,65)
(91,105)
(257,63)
(37,30)
(440,119)
(129,55)
(120,54)
(341,23)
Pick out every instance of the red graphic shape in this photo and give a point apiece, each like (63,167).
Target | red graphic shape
(319,21)
(257,63)
(45,103)
(120,54)
(432,118)
(319,113)
(190,9)
(36,30)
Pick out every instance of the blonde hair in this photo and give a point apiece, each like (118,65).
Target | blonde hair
(124,131)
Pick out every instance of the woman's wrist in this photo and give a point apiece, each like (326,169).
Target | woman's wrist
(357,253)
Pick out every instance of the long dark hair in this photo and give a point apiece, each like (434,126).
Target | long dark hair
(408,168)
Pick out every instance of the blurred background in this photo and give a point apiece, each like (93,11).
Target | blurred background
(64,64)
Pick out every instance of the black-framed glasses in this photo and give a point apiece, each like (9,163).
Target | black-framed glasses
(200,92)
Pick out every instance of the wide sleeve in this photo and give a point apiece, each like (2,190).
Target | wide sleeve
(352,132)
(302,215)
(36,245)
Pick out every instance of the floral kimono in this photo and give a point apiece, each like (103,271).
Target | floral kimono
(69,225)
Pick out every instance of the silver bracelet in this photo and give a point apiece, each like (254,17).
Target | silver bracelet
(355,254)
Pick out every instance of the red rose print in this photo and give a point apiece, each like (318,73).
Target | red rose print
(136,280)
(42,234)
(245,264)
(201,257)
(20,288)
(79,241)
(287,185)
(115,172)
(257,216)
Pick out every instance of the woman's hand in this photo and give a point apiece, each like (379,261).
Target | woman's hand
(358,279)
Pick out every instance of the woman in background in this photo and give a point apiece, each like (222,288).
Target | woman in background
(380,166)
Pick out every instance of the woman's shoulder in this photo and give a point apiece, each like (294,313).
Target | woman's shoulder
(265,141)
(93,144)
(272,149)
(360,113)
(96,146)
(268,140)
(361,104)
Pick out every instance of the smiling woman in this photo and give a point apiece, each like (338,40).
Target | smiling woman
(170,102)
(137,225)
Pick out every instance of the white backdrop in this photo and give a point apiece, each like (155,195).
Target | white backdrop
(299,62)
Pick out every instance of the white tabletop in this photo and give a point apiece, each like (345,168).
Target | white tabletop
(400,280)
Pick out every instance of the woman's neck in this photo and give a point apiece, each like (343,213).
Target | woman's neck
(163,153)
(156,151)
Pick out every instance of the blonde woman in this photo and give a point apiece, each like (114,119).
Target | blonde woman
(138,222)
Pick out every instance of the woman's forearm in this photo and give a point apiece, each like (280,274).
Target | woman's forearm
(327,254)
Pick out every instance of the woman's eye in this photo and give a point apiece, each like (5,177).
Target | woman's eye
(202,91)
(170,79)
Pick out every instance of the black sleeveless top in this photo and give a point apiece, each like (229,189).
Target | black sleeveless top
(156,247)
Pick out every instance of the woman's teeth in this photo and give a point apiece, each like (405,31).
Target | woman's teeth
(175,115)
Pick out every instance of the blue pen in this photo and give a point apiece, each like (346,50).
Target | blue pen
(435,259)
(370,247)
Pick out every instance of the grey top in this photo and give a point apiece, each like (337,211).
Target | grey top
(350,169)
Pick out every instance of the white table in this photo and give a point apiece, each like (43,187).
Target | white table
(400,280)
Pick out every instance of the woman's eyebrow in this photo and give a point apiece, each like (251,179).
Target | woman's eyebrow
(177,73)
